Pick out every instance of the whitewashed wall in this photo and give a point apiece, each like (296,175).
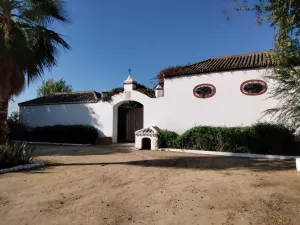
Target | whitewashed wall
(98,115)
(228,107)
(178,110)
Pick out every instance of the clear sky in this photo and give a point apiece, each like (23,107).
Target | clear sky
(110,36)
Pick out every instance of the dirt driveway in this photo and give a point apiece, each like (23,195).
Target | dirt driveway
(115,185)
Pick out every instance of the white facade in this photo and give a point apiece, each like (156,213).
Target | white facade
(178,109)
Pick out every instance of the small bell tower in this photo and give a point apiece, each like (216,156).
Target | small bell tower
(129,84)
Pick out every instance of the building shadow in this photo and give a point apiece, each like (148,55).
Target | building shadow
(64,114)
(199,163)
(52,150)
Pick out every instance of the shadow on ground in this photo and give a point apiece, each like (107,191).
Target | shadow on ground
(50,150)
(158,159)
(200,163)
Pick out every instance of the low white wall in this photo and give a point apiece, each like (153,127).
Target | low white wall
(178,110)
(98,115)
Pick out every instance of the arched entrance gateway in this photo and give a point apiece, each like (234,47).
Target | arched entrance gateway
(130,119)
(131,110)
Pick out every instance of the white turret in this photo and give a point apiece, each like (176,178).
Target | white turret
(129,84)
(159,91)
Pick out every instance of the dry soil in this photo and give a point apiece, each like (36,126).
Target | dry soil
(115,185)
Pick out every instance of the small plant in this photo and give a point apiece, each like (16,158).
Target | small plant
(15,154)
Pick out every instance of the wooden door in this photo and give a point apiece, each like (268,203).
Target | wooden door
(129,121)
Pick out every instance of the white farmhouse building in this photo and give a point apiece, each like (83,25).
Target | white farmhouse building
(225,91)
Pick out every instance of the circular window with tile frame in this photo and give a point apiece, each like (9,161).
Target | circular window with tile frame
(204,91)
(254,87)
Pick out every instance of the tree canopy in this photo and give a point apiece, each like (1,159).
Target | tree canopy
(284,16)
(50,86)
(28,46)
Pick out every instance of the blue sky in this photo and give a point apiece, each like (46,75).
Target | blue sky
(109,37)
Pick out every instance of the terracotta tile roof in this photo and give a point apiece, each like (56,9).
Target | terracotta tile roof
(65,98)
(235,62)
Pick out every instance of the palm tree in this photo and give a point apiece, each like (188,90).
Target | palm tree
(28,46)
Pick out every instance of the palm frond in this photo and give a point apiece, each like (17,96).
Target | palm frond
(27,45)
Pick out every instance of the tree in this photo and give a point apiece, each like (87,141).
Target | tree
(28,46)
(14,117)
(284,16)
(50,86)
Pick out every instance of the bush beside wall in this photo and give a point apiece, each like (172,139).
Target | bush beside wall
(76,134)
(259,138)
(15,154)
(168,139)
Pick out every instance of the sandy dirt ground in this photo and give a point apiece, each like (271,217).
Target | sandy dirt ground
(115,185)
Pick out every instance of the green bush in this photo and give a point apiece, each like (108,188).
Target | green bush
(270,139)
(15,154)
(16,130)
(204,138)
(259,138)
(168,139)
(233,139)
(77,134)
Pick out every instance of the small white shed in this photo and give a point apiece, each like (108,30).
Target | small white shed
(146,138)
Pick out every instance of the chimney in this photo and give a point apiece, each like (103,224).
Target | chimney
(104,93)
(159,91)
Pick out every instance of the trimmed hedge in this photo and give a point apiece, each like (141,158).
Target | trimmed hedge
(168,139)
(76,134)
(259,138)
(16,130)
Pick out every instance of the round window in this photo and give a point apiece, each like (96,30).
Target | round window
(254,87)
(204,91)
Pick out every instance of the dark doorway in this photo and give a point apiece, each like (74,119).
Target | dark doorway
(146,144)
(130,119)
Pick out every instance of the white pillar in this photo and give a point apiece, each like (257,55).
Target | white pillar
(298,164)
(159,91)
(129,84)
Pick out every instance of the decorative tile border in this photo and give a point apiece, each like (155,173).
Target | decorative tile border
(243,155)
(34,164)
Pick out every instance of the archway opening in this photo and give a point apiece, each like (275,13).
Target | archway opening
(130,119)
(146,144)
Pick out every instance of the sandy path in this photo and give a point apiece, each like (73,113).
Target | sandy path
(114,185)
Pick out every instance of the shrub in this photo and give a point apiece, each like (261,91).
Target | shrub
(16,130)
(270,139)
(15,154)
(204,138)
(145,90)
(233,139)
(139,87)
(168,139)
(111,93)
(259,138)
(78,134)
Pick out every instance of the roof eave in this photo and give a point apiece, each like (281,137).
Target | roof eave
(60,103)
(215,71)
